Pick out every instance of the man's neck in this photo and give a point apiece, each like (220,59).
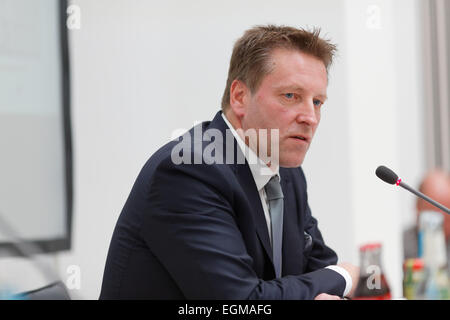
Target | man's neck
(237,126)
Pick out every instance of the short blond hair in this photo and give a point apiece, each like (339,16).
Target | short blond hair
(249,61)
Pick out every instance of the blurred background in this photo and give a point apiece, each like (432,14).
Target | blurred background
(90,89)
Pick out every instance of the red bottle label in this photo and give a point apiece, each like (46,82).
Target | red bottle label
(386,296)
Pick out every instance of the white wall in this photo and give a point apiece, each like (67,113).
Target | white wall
(142,69)
(383,107)
(375,119)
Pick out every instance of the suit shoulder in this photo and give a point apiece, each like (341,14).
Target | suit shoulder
(173,162)
(295,174)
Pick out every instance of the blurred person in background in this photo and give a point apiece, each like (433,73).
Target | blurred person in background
(436,185)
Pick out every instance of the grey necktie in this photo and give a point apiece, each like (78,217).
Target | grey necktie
(275,198)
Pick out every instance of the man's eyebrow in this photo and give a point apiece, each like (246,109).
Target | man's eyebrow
(294,87)
(324,97)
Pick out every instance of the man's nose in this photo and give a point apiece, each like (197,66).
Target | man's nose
(307,114)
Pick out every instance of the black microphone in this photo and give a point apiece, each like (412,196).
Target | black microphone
(389,176)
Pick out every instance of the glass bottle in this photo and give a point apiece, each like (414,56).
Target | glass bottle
(413,270)
(435,285)
(372,283)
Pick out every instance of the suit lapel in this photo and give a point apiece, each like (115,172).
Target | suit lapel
(293,241)
(247,182)
(245,178)
(293,238)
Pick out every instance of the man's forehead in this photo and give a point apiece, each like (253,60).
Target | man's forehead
(294,66)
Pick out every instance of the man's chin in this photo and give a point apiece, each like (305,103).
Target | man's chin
(291,163)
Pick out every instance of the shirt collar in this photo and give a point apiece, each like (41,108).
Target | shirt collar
(260,171)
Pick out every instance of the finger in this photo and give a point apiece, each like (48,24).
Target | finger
(325,296)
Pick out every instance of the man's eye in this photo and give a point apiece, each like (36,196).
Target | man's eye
(317,103)
(289,95)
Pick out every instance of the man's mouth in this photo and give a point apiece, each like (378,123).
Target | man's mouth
(300,137)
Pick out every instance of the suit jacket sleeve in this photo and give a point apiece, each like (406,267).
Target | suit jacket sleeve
(189,225)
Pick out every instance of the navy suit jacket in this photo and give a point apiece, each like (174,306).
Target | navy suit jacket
(198,231)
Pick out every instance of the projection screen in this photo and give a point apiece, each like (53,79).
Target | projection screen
(35,133)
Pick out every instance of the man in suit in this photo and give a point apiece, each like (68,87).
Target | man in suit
(222,212)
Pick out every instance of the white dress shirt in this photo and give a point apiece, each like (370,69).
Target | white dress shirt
(262,174)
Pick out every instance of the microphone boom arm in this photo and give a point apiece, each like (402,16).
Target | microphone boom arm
(424,197)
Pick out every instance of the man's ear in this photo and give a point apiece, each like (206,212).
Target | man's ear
(239,95)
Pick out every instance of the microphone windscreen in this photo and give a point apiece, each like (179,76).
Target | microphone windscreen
(386,174)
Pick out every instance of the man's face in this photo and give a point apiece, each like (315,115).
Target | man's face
(289,99)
